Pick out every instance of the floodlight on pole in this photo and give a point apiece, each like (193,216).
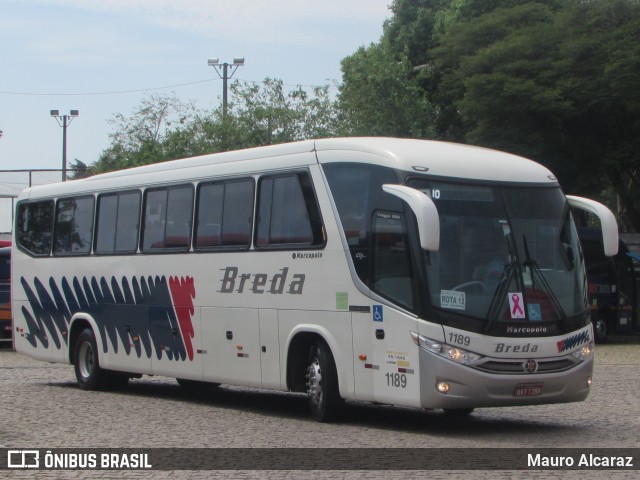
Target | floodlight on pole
(225,71)
(64,121)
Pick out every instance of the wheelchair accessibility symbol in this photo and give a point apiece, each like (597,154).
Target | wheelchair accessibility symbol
(535,312)
(377,313)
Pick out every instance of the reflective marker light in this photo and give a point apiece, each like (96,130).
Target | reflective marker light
(456,354)
(442,387)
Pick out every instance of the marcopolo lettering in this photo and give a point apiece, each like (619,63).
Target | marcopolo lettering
(524,330)
(234,281)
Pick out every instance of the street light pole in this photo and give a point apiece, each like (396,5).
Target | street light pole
(222,69)
(64,121)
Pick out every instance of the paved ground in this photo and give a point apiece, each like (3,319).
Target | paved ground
(41,407)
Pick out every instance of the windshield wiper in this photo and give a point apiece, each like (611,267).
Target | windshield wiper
(510,271)
(499,295)
(545,287)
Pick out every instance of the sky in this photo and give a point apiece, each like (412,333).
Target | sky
(103,57)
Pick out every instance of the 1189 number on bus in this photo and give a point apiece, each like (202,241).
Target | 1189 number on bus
(397,380)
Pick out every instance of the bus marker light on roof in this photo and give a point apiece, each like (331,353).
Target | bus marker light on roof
(362,357)
(239,347)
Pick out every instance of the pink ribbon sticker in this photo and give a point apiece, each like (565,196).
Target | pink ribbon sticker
(515,302)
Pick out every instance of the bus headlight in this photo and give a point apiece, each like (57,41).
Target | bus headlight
(457,354)
(585,352)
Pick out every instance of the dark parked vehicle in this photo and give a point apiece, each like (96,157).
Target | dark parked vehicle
(5,292)
(613,287)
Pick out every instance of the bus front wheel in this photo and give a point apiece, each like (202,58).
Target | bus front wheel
(323,394)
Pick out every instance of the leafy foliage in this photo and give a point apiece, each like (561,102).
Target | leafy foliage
(381,96)
(552,80)
(164,128)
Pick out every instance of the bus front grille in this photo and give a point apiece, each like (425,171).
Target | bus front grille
(520,366)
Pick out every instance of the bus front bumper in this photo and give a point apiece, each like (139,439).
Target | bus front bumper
(467,387)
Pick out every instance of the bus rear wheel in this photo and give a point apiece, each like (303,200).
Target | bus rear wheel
(89,374)
(323,395)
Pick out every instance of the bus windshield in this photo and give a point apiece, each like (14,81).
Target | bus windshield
(507,254)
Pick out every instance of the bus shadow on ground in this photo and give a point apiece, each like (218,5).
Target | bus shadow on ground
(481,423)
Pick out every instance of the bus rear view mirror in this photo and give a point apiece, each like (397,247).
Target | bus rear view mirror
(425,211)
(607,221)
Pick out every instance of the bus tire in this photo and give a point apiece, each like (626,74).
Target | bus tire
(600,330)
(323,394)
(89,374)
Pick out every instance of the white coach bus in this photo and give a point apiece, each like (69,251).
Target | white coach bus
(403,272)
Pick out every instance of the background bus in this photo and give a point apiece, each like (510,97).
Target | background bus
(5,293)
(613,287)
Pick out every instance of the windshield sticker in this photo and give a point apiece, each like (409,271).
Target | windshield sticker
(535,312)
(506,230)
(516,305)
(452,299)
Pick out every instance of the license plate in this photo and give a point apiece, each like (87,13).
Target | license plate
(528,390)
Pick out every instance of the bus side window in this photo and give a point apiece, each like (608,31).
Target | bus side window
(179,218)
(118,223)
(155,211)
(73,230)
(128,223)
(288,213)
(35,227)
(167,219)
(106,223)
(392,270)
(357,192)
(225,211)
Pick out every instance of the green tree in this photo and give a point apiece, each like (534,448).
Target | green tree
(265,114)
(600,73)
(141,138)
(78,169)
(553,80)
(553,84)
(164,128)
(497,84)
(381,95)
